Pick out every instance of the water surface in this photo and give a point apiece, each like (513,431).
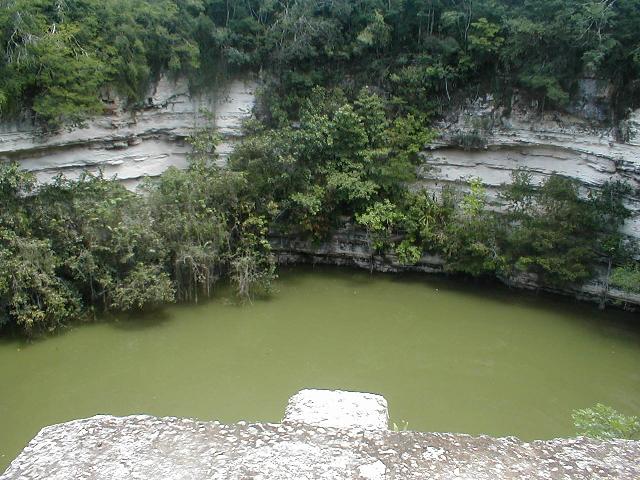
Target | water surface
(447,356)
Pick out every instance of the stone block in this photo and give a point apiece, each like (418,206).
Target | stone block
(339,409)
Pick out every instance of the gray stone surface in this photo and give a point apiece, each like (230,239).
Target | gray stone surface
(144,447)
(337,408)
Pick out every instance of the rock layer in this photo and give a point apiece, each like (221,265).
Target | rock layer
(542,144)
(129,143)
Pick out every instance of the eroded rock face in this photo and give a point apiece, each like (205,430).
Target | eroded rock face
(540,144)
(143,447)
(131,144)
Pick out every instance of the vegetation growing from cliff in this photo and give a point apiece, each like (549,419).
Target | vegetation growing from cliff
(58,55)
(627,277)
(357,160)
(338,160)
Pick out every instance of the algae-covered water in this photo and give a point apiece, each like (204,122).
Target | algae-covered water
(448,357)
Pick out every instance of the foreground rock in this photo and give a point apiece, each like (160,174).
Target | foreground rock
(144,447)
(334,408)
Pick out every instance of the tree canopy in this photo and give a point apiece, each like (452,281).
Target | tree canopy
(57,56)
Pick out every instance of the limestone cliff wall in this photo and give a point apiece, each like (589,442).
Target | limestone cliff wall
(541,144)
(129,143)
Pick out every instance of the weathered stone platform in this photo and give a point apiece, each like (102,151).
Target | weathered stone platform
(144,447)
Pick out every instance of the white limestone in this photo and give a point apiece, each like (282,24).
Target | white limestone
(540,144)
(130,144)
(339,409)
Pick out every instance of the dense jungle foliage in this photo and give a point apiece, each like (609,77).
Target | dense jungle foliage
(57,55)
(76,248)
(350,92)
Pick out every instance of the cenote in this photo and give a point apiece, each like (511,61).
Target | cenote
(448,357)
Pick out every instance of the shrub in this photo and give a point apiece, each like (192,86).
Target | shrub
(627,278)
(603,422)
(469,140)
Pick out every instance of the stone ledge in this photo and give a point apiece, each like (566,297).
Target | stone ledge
(339,409)
(145,447)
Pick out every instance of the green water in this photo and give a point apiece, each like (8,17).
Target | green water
(448,357)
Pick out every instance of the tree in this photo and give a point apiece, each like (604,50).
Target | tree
(252,265)
(31,293)
(485,41)
(144,287)
(427,217)
(610,215)
(376,34)
(408,254)
(550,230)
(379,221)
(627,277)
(472,238)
